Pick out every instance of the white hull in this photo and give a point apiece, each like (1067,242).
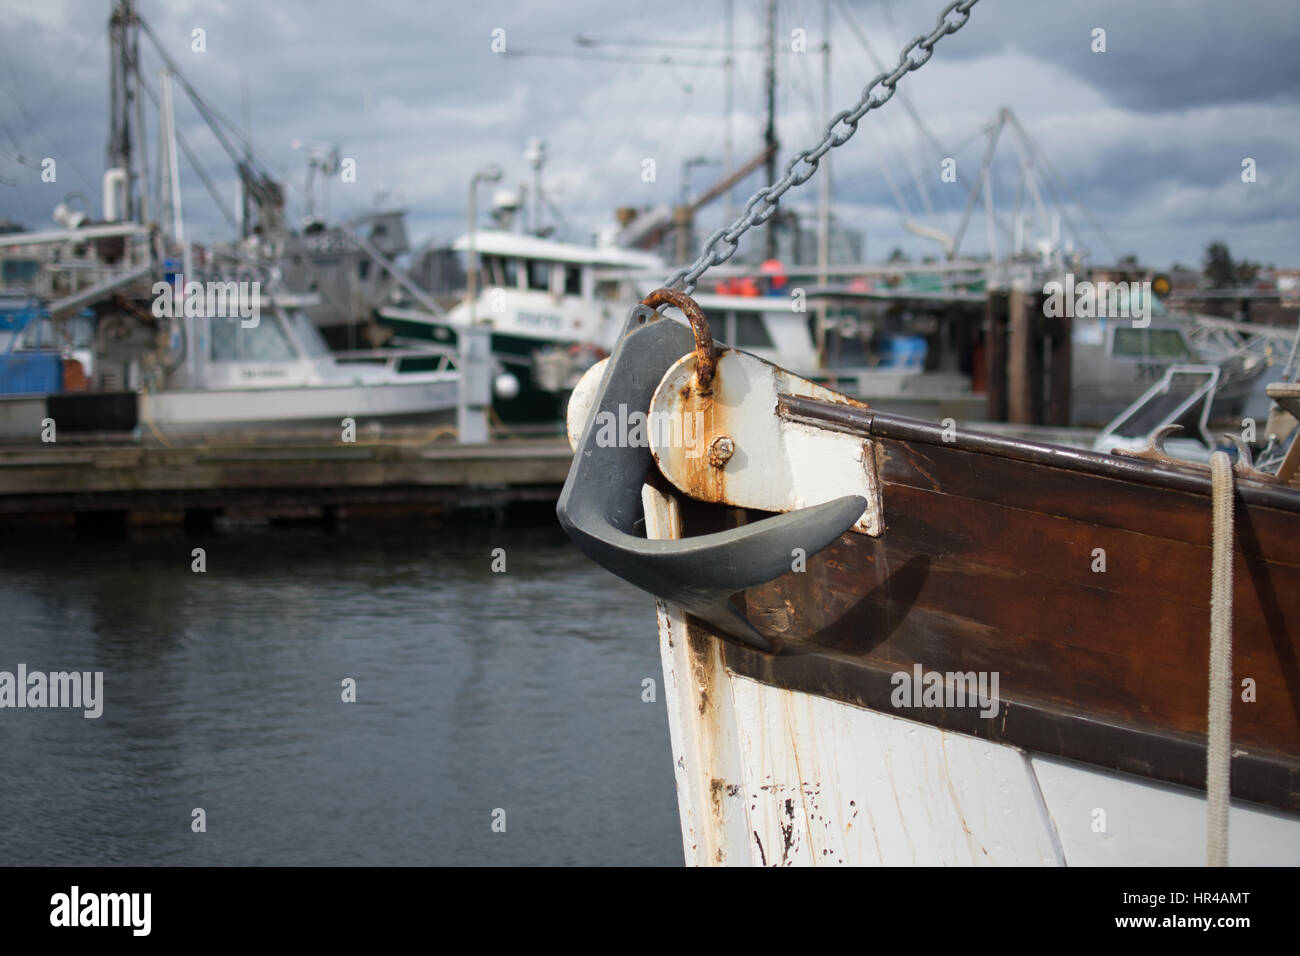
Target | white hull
(214,409)
(767,776)
(21,417)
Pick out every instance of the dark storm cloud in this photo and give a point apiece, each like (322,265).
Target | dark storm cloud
(1159,55)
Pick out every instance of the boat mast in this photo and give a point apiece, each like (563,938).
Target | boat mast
(769,131)
(824,197)
(170,211)
(728,157)
(124,105)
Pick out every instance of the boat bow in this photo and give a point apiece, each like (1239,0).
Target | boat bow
(600,506)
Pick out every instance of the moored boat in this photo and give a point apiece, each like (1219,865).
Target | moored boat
(890,641)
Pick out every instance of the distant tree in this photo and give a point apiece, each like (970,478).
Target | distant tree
(1219,270)
(1129,261)
(1245,272)
(898,255)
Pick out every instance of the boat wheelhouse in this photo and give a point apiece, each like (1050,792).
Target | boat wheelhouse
(551,309)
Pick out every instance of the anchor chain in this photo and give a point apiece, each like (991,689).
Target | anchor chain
(713,255)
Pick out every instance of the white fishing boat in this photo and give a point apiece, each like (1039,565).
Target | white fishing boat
(551,309)
(890,372)
(205,374)
(279,374)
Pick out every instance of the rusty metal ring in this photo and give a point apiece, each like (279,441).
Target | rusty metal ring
(706,360)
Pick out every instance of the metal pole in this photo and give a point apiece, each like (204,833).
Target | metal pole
(172,172)
(769,132)
(141,154)
(119,137)
(472,284)
(492,174)
(824,199)
(727,154)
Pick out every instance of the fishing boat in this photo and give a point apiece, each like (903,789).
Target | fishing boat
(226,374)
(124,367)
(551,309)
(1114,362)
(904,371)
(99,338)
(887,641)
(349,267)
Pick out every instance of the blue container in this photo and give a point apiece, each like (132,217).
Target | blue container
(37,373)
(904,351)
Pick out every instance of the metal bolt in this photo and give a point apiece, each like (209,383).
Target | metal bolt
(720,451)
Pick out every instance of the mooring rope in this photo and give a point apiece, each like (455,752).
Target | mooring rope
(1218,763)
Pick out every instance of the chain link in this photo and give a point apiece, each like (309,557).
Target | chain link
(722,245)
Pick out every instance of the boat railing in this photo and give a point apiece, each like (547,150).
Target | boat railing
(1182,396)
(1226,339)
(393,358)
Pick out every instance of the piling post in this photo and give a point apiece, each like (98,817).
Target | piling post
(1059,400)
(474,399)
(1021,356)
(995,354)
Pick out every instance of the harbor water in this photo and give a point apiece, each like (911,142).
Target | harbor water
(500,716)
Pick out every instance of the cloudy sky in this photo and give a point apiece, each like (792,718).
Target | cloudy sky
(1150,135)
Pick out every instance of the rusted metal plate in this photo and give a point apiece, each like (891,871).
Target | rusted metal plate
(727,445)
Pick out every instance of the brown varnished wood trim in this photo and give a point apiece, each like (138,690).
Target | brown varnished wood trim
(984,565)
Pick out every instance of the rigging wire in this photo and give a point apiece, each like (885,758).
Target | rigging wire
(194,162)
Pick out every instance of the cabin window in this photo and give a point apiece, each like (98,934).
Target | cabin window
(751,332)
(1167,343)
(75,332)
(80,332)
(225,340)
(363,268)
(500,272)
(19,270)
(1149,343)
(539,275)
(1129,342)
(40,334)
(608,289)
(264,342)
(313,345)
(572,280)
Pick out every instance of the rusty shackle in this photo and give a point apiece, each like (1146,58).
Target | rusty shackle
(706,360)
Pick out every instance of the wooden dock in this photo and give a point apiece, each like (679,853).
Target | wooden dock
(135,483)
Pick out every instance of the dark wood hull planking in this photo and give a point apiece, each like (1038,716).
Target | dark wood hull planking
(987,564)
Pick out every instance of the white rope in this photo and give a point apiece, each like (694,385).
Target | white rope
(1218,763)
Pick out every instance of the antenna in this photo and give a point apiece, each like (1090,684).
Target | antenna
(535,156)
